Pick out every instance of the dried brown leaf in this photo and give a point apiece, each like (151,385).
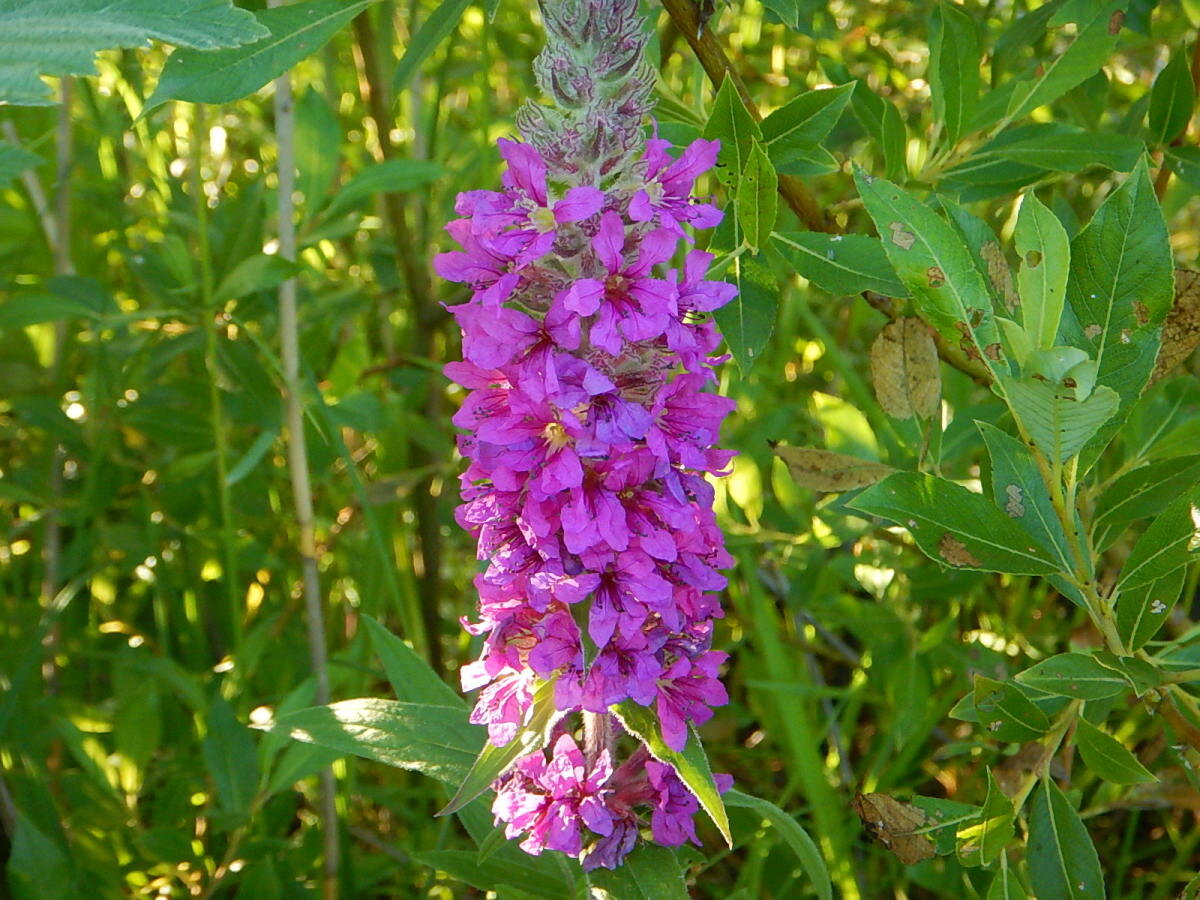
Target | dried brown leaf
(1181,330)
(894,824)
(905,370)
(999,274)
(824,470)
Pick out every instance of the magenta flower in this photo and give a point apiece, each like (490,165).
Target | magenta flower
(667,195)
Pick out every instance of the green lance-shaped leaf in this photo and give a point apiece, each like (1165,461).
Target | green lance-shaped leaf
(1006,713)
(1142,608)
(219,76)
(1062,148)
(1143,493)
(410,676)
(937,267)
(441,22)
(494,761)
(804,122)
(982,841)
(1063,864)
(1171,542)
(62,37)
(1074,675)
(748,320)
(231,759)
(1097,28)
(794,835)
(842,264)
(1045,252)
(1105,756)
(955,526)
(1172,99)
(649,873)
(1018,489)
(393,175)
(494,875)
(1005,885)
(757,198)
(437,741)
(731,123)
(1057,422)
(953,69)
(691,765)
(986,251)
(1119,291)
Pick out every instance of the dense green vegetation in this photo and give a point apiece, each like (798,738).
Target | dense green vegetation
(152,558)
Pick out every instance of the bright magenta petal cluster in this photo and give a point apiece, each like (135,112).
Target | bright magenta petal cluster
(590,425)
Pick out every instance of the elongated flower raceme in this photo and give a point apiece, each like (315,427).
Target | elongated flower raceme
(590,425)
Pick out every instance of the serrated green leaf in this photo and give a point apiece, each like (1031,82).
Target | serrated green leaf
(1172,100)
(731,124)
(954,526)
(757,198)
(937,267)
(1063,864)
(954,80)
(441,22)
(494,761)
(982,841)
(1018,489)
(795,836)
(691,765)
(840,264)
(1006,713)
(62,37)
(748,320)
(1105,756)
(805,121)
(648,873)
(1074,675)
(1045,252)
(220,76)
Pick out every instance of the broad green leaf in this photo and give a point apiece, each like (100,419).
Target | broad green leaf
(1005,886)
(649,873)
(411,678)
(953,69)
(1062,860)
(808,163)
(691,765)
(1170,542)
(805,121)
(1119,291)
(936,266)
(1056,420)
(392,176)
(488,875)
(1023,33)
(1142,608)
(1018,489)
(255,273)
(757,198)
(1097,28)
(731,124)
(796,837)
(883,122)
(1143,493)
(954,526)
(748,320)
(1074,675)
(434,740)
(61,37)
(1142,674)
(1072,151)
(981,842)
(840,264)
(219,76)
(230,758)
(1045,252)
(494,761)
(14,160)
(1172,99)
(1105,756)
(428,37)
(1006,713)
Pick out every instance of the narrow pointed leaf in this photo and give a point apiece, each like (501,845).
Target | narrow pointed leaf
(1063,864)
(1045,252)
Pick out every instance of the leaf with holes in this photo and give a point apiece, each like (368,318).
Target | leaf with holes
(1045,252)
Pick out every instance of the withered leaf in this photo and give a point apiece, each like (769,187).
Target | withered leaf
(905,370)
(999,274)
(894,824)
(824,470)
(1181,330)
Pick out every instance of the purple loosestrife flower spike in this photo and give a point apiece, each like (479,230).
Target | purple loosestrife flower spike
(589,426)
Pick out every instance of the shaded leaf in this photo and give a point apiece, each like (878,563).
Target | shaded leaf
(465,866)
(981,842)
(1172,99)
(441,22)
(1063,864)
(747,321)
(410,676)
(824,470)
(840,264)
(1107,757)
(1142,608)
(14,160)
(796,837)
(905,370)
(648,873)
(1006,713)
(1171,541)
(953,69)
(231,759)
(393,175)
(1142,493)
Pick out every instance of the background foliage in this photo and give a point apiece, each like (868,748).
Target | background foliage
(149,572)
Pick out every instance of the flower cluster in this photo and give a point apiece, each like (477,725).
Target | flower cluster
(590,429)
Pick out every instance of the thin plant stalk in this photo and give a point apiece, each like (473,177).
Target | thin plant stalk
(298,467)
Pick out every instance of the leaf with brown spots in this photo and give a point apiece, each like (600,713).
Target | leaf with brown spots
(901,237)
(905,370)
(1181,330)
(955,552)
(999,274)
(896,825)
(824,470)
